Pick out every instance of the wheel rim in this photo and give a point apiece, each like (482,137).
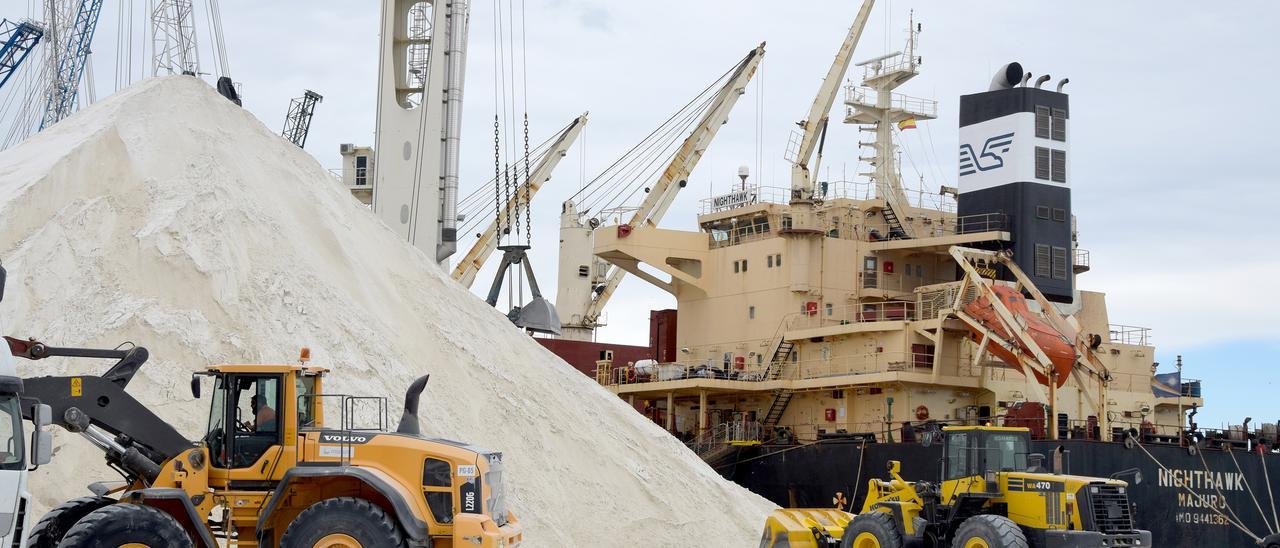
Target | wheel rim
(134,545)
(866,540)
(337,540)
(976,543)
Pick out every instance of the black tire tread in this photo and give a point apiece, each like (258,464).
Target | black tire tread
(88,532)
(880,524)
(55,524)
(323,510)
(1001,531)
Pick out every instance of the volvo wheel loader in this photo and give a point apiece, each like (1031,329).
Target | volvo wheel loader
(270,470)
(991,494)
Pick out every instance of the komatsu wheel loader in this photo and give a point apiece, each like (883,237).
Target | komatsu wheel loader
(270,471)
(990,494)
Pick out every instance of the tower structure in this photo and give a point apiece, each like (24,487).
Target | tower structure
(16,42)
(1013,162)
(421,73)
(72,50)
(297,124)
(173,38)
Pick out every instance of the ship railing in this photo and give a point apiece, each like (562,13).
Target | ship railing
(734,370)
(933,299)
(1128,334)
(1080,259)
(900,281)
(747,232)
(862,95)
(861,364)
(733,432)
(856,313)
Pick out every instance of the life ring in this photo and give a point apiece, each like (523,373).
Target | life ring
(922,413)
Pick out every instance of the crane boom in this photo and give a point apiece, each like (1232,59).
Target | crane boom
(814,124)
(18,41)
(675,176)
(71,63)
(466,270)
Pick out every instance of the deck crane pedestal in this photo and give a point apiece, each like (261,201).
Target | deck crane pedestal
(582,298)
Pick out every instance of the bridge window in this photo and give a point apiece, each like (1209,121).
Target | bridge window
(751,312)
(769,262)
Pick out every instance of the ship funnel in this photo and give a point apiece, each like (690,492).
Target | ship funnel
(1062,83)
(1041,80)
(1007,76)
(1026,78)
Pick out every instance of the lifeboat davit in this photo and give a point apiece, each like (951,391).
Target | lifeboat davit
(1059,349)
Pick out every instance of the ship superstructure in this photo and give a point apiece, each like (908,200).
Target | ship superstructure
(859,308)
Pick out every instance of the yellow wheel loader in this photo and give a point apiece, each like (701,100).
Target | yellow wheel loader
(990,494)
(270,470)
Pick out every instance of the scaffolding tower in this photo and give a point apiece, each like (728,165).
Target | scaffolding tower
(298,122)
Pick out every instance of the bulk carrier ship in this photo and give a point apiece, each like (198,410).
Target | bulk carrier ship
(824,329)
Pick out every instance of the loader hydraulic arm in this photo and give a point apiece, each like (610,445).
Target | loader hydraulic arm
(133,437)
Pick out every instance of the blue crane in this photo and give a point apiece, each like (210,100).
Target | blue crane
(75,52)
(18,40)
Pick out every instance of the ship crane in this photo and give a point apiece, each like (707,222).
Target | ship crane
(581,304)
(18,40)
(813,128)
(487,242)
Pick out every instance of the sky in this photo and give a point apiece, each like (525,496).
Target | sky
(1173,114)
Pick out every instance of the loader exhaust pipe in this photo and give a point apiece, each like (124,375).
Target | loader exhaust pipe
(409,419)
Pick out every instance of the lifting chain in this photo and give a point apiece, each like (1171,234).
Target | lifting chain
(528,183)
(497,201)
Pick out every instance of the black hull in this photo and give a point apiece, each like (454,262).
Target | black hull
(812,475)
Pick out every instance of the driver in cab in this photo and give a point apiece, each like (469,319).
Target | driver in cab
(264,416)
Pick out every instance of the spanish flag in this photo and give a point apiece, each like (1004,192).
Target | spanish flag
(909,123)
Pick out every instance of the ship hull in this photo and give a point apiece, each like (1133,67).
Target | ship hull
(1176,504)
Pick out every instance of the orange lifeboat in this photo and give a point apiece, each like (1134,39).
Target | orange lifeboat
(1059,349)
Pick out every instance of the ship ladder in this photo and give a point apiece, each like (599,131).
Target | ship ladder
(1203,500)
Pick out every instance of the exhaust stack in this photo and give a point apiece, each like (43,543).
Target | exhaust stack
(409,419)
(1041,80)
(1062,83)
(1008,76)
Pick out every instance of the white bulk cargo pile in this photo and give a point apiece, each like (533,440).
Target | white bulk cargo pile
(169,217)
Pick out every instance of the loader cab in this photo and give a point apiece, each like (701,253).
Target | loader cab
(973,455)
(254,411)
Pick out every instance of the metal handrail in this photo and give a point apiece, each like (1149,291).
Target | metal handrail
(1129,334)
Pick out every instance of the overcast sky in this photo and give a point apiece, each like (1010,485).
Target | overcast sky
(1173,142)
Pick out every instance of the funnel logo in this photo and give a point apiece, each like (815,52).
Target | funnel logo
(990,158)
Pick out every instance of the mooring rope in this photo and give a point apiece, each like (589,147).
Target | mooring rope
(1267,478)
(1249,488)
(1198,496)
(1205,464)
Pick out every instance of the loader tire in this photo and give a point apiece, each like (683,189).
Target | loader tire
(120,524)
(343,522)
(989,531)
(48,532)
(872,530)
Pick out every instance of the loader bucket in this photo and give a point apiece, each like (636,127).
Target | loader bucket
(804,527)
